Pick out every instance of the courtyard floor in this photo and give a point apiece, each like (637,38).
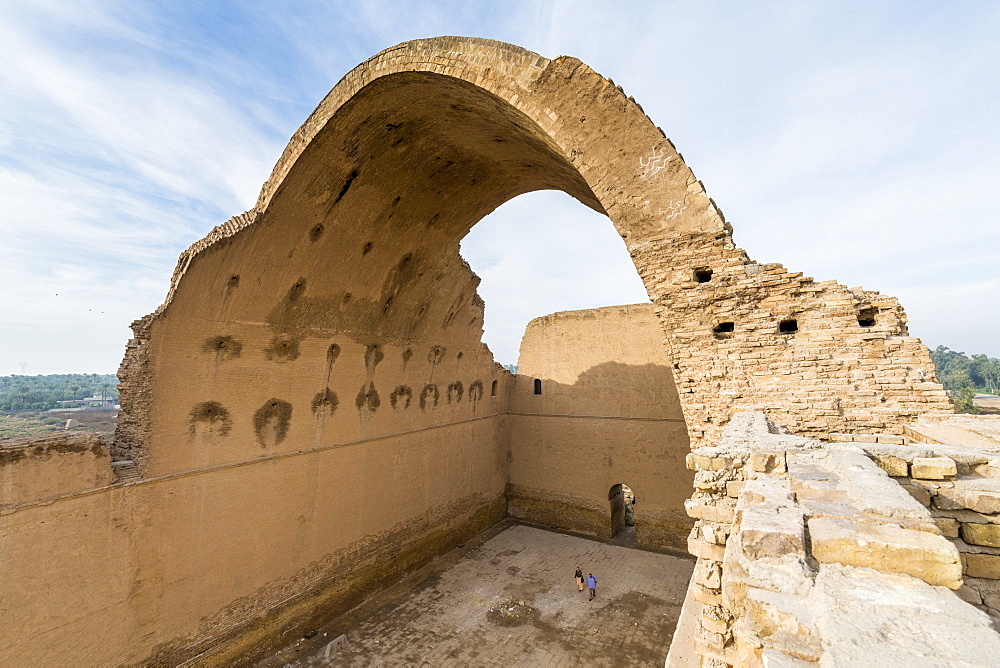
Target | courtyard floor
(509,599)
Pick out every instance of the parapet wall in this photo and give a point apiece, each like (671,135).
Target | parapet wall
(809,551)
(44,468)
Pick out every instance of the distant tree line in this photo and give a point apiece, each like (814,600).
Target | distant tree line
(38,393)
(964,376)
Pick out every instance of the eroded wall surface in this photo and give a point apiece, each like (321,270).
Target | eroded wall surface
(608,414)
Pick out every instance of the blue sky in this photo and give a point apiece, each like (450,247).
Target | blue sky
(851,140)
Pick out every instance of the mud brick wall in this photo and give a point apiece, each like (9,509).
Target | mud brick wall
(606,414)
(48,467)
(810,552)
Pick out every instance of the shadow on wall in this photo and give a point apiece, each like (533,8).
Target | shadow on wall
(570,444)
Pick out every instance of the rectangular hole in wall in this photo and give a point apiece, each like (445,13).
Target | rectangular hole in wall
(866,317)
(788,326)
(724,330)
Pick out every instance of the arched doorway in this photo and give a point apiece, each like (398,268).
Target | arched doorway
(622,501)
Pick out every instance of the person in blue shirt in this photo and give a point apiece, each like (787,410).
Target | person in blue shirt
(592,585)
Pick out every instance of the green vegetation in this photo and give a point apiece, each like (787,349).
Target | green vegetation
(38,393)
(964,376)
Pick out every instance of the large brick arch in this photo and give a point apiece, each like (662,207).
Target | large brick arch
(355,237)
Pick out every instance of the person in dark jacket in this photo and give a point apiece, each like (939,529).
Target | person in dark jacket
(579,578)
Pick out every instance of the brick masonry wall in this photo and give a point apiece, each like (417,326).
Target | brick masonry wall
(846,365)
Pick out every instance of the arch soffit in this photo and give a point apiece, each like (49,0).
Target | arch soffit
(632,169)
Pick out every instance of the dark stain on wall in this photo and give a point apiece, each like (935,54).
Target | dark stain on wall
(298,287)
(283,348)
(224,347)
(210,413)
(373,355)
(476,390)
(368,396)
(407,355)
(456,389)
(332,353)
(271,422)
(233,281)
(436,354)
(431,392)
(405,273)
(325,402)
(347,185)
(404,393)
(316,232)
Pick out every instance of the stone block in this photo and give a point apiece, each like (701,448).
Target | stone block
(840,438)
(891,439)
(988,590)
(923,555)
(703,550)
(822,495)
(893,465)
(714,533)
(981,565)
(918,492)
(782,622)
(957,498)
(713,620)
(722,511)
(767,462)
(933,468)
(713,647)
(706,596)
(734,487)
(772,531)
(765,490)
(969,595)
(948,526)
(981,534)
(695,462)
(707,574)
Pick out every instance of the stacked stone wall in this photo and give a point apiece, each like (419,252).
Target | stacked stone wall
(809,552)
(961,488)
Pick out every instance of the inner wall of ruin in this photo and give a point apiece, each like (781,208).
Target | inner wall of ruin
(607,414)
(311,413)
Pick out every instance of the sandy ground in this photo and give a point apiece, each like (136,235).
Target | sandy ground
(511,601)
